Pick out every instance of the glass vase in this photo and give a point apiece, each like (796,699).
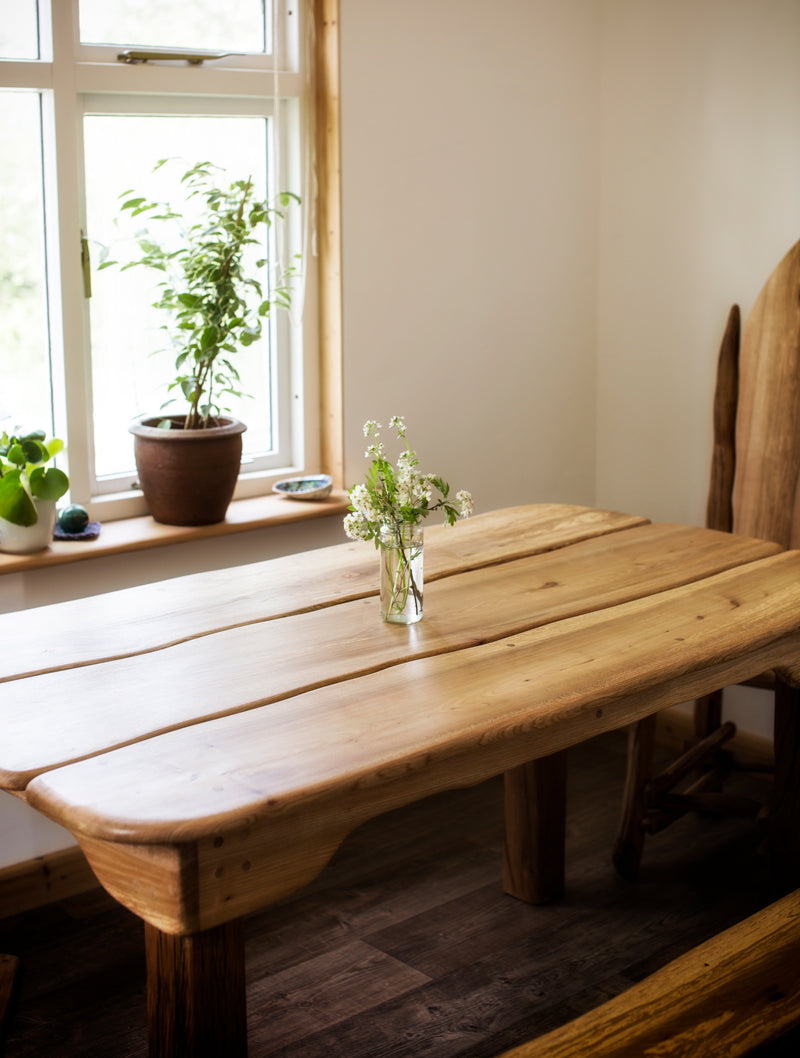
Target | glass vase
(401,573)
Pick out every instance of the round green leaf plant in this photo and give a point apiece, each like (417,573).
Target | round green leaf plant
(24,477)
(216,306)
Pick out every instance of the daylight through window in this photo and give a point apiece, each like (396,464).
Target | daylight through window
(85,351)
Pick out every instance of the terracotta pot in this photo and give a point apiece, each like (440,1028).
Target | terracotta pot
(187,476)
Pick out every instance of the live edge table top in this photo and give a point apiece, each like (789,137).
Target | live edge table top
(211,740)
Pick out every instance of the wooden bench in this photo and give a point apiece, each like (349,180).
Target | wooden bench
(210,741)
(722,999)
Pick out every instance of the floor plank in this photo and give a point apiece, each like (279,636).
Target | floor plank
(406,944)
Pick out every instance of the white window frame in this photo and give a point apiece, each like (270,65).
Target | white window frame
(74,79)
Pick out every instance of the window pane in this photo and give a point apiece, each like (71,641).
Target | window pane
(25,394)
(131,363)
(19,31)
(213,25)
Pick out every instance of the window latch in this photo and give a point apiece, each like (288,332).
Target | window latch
(86,267)
(194,58)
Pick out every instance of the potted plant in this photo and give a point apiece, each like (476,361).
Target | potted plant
(28,491)
(188,463)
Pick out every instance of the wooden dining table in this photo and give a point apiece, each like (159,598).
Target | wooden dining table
(211,740)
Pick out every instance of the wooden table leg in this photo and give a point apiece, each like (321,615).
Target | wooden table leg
(535,807)
(784,819)
(196,993)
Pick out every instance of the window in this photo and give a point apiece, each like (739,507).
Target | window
(83,120)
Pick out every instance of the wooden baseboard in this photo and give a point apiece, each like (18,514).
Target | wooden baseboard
(43,880)
(675,729)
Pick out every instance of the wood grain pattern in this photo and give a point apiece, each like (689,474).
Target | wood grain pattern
(175,786)
(263,662)
(151,616)
(720,1000)
(196,994)
(414,895)
(535,805)
(765,500)
(629,842)
(43,880)
(300,774)
(217,768)
(719,508)
(327,115)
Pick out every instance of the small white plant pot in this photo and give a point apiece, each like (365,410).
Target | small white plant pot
(27,539)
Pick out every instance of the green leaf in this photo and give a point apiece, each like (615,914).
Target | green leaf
(16,455)
(209,337)
(49,484)
(190,300)
(16,506)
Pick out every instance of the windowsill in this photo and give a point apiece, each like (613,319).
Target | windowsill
(138,534)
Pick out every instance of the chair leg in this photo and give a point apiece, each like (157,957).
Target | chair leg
(9,965)
(784,834)
(627,854)
(708,714)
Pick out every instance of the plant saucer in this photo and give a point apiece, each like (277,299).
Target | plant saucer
(316,487)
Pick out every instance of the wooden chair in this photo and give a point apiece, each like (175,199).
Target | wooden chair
(754,491)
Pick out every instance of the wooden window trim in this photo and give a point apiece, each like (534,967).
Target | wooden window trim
(327,116)
(132,534)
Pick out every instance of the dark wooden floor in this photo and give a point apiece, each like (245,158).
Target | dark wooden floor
(406,945)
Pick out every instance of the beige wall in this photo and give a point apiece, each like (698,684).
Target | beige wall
(469,146)
(699,200)
(549,206)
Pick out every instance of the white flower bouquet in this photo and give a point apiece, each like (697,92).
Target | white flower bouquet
(389,508)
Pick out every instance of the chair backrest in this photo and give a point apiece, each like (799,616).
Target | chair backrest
(766,499)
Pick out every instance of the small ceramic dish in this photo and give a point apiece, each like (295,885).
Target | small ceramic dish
(316,487)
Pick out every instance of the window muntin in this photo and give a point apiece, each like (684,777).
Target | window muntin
(234,87)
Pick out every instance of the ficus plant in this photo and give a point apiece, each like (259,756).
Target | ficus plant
(24,478)
(217,307)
